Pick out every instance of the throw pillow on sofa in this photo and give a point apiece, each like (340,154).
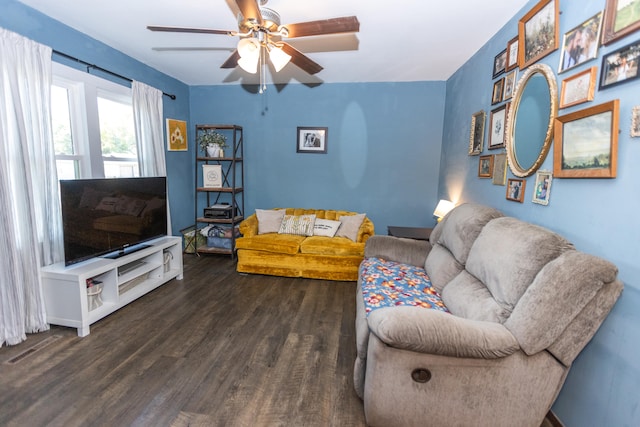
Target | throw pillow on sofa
(350,226)
(325,227)
(300,225)
(269,220)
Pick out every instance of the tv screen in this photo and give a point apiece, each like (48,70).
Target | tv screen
(102,216)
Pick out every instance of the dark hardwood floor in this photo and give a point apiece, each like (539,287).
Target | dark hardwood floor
(215,349)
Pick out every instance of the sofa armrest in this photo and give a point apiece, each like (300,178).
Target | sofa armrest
(435,332)
(249,227)
(408,251)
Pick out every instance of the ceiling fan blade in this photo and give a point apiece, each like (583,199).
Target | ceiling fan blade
(232,61)
(346,24)
(190,30)
(250,10)
(301,60)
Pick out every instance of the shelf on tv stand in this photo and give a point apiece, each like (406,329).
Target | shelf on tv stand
(65,287)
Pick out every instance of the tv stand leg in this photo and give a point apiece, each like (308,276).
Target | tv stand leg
(83,331)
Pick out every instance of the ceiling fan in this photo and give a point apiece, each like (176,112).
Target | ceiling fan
(260,32)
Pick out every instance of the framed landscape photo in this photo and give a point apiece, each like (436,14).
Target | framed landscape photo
(515,190)
(620,66)
(499,63)
(485,166)
(499,169)
(497,120)
(476,138)
(581,43)
(512,54)
(542,189)
(538,33)
(621,18)
(586,142)
(176,135)
(578,88)
(498,87)
(312,140)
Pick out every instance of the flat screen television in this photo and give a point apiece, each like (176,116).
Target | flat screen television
(111,216)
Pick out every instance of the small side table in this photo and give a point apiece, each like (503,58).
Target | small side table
(417,233)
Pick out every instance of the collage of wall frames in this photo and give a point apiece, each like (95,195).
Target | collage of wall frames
(573,156)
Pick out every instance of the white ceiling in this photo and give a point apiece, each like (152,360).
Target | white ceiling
(399,40)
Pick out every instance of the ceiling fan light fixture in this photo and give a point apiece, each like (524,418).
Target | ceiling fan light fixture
(249,64)
(278,57)
(249,47)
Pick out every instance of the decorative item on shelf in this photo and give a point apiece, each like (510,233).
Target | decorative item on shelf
(212,142)
(443,208)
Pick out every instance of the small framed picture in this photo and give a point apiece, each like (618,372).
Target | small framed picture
(312,140)
(485,166)
(578,88)
(595,156)
(499,63)
(620,19)
(497,91)
(581,43)
(538,33)
(176,135)
(512,54)
(515,190)
(509,85)
(542,189)
(620,66)
(499,169)
(635,122)
(212,176)
(476,138)
(497,122)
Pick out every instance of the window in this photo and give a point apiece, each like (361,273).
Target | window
(93,126)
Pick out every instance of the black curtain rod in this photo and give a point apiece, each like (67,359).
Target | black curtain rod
(104,70)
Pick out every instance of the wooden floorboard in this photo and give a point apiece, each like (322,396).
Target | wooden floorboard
(217,348)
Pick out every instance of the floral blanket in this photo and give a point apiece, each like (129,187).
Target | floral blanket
(390,284)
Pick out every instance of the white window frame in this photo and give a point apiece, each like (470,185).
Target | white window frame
(84,89)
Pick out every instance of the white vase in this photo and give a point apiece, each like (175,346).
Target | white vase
(220,152)
(212,150)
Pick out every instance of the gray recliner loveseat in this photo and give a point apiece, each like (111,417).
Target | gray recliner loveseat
(513,305)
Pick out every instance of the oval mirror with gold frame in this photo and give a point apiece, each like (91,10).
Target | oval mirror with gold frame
(529,127)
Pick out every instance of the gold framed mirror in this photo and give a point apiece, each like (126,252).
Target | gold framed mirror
(529,128)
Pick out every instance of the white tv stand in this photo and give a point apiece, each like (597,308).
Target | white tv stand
(65,288)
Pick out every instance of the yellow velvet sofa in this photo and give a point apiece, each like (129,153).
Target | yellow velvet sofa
(315,257)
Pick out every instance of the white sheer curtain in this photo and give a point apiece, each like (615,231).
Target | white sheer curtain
(30,224)
(147,117)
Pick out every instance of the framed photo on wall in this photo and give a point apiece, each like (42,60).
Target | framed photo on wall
(176,135)
(476,138)
(515,190)
(578,88)
(593,156)
(499,169)
(581,43)
(538,33)
(509,85)
(312,140)
(512,54)
(621,18)
(497,122)
(542,189)
(635,122)
(499,63)
(620,66)
(485,166)
(498,87)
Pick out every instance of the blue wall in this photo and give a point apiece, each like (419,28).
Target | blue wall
(598,215)
(383,146)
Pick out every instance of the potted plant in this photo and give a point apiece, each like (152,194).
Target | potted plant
(212,142)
